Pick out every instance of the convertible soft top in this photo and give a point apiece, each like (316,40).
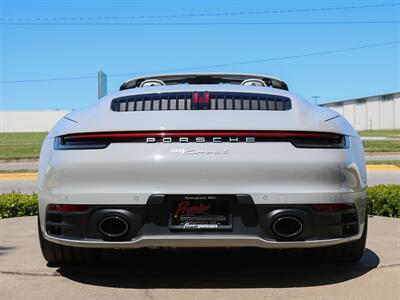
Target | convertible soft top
(205,78)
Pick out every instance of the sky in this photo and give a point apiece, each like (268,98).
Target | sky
(51,51)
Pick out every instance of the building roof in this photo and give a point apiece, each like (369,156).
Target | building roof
(360,99)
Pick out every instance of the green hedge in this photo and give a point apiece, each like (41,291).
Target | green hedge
(383,200)
(16,204)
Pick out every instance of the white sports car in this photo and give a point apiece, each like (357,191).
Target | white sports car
(202,160)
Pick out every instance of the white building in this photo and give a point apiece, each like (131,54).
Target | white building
(29,121)
(375,112)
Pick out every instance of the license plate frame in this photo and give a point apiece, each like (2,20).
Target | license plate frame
(200,213)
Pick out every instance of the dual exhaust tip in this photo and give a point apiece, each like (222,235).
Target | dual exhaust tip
(287,227)
(284,226)
(113,227)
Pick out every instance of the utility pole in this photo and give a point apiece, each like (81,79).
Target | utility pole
(316,99)
(101,84)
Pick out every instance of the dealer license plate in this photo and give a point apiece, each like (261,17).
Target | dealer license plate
(200,213)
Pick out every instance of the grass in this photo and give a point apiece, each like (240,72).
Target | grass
(382,133)
(384,162)
(382,146)
(20,145)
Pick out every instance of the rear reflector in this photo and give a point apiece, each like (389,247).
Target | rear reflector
(68,207)
(331,207)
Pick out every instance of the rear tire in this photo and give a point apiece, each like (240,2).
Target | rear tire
(60,255)
(348,252)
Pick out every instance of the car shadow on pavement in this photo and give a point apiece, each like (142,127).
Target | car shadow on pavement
(216,268)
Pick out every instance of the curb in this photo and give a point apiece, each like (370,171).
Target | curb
(18,176)
(383,168)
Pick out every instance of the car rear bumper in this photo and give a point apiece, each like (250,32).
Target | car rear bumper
(203,241)
(251,226)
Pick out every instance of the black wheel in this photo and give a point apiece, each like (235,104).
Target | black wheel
(348,252)
(60,255)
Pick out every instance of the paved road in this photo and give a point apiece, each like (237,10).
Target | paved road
(375,178)
(24,165)
(382,156)
(29,186)
(200,274)
(24,186)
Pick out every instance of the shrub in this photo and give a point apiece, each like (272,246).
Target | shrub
(16,204)
(384,200)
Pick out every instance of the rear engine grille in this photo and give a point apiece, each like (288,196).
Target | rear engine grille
(165,101)
(244,101)
(200,101)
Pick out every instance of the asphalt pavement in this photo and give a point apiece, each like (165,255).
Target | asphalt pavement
(383,156)
(200,274)
(23,186)
(382,177)
(19,165)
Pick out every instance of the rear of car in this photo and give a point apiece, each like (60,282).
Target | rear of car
(202,165)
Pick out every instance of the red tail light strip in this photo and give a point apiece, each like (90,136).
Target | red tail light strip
(331,207)
(299,139)
(162,134)
(68,207)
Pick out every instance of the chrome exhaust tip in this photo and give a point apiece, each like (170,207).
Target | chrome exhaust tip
(287,227)
(113,226)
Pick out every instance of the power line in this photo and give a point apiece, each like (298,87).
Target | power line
(263,60)
(220,14)
(195,23)
(49,79)
(326,52)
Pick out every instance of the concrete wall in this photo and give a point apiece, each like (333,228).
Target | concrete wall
(29,121)
(377,112)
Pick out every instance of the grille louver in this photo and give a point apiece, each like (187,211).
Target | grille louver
(216,101)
